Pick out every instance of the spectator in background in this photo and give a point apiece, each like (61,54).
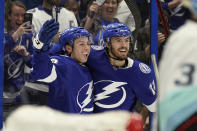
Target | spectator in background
(30,4)
(143,40)
(43,13)
(17,50)
(142,45)
(178,77)
(70,82)
(125,16)
(177,15)
(83,8)
(73,5)
(17,61)
(144,7)
(96,23)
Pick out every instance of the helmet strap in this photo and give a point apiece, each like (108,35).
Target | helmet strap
(108,55)
(123,66)
(115,58)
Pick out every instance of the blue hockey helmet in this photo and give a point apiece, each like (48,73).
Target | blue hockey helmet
(115,30)
(69,35)
(191,4)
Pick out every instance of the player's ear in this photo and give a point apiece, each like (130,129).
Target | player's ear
(107,44)
(68,48)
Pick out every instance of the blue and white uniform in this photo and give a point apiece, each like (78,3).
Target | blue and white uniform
(177,17)
(14,63)
(119,88)
(65,18)
(70,84)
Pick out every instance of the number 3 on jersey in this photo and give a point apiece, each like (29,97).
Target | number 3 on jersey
(187,71)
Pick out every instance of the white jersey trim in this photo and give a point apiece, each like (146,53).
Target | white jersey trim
(88,109)
(130,63)
(51,77)
(152,107)
(36,86)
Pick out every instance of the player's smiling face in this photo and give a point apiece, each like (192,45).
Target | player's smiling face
(119,47)
(16,17)
(81,50)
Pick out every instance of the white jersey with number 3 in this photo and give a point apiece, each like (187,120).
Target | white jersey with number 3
(178,67)
(178,79)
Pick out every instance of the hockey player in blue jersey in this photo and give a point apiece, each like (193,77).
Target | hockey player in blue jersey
(118,80)
(70,82)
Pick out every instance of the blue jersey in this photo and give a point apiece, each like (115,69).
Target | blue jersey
(70,84)
(98,39)
(119,88)
(14,63)
(25,40)
(177,15)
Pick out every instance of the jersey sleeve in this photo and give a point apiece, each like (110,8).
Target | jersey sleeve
(43,69)
(146,89)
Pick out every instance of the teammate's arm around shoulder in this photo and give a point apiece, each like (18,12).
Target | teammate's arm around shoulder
(43,68)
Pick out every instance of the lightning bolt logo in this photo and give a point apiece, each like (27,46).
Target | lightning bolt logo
(111,88)
(87,100)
